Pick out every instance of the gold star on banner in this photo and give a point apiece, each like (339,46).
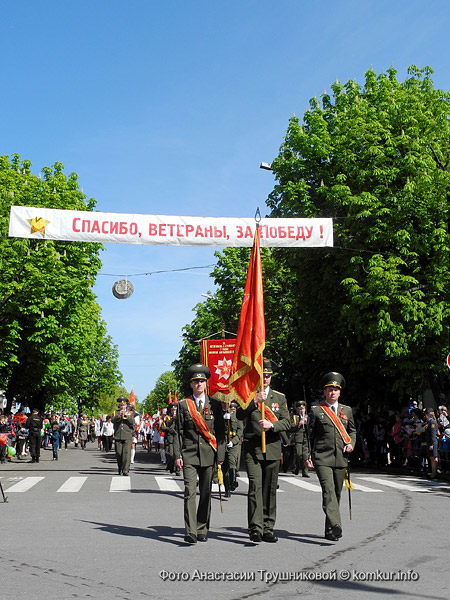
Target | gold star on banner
(223,368)
(38,225)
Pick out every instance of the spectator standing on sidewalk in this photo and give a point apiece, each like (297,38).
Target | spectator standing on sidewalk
(432,441)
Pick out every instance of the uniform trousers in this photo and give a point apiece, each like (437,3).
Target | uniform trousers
(196,520)
(331,481)
(301,454)
(123,454)
(262,493)
(34,440)
(234,456)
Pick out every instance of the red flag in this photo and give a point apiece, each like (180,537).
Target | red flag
(170,397)
(175,399)
(247,368)
(132,398)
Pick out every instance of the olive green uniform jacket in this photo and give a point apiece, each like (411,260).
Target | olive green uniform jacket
(252,431)
(123,426)
(326,442)
(194,449)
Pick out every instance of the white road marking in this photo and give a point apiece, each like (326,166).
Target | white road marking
(73,484)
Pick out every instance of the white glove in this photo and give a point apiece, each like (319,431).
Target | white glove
(227,416)
(230,445)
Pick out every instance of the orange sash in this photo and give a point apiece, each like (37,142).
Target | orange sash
(268,414)
(336,422)
(200,424)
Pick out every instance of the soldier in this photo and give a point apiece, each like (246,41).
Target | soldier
(288,443)
(34,426)
(198,444)
(168,427)
(301,438)
(262,469)
(124,426)
(233,437)
(332,436)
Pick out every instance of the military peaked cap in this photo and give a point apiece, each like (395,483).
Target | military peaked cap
(198,371)
(267,366)
(333,379)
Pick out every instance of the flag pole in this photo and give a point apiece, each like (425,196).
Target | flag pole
(246,374)
(263,416)
(263,404)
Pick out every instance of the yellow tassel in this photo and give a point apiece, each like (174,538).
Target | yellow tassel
(219,475)
(348,483)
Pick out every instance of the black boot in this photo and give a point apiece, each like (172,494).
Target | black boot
(233,480)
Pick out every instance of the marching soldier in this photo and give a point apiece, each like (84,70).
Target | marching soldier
(262,469)
(233,437)
(288,444)
(198,445)
(332,436)
(168,426)
(300,438)
(124,426)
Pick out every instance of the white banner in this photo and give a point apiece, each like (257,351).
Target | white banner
(118,228)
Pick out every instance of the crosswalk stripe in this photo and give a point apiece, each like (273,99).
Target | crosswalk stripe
(167,484)
(120,483)
(388,483)
(73,484)
(244,479)
(362,488)
(306,485)
(24,485)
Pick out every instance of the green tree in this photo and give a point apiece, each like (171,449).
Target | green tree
(54,345)
(107,401)
(158,397)
(376,159)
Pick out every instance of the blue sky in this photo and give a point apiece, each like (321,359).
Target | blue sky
(169,108)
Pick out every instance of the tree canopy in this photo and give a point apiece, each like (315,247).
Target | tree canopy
(159,396)
(55,347)
(375,158)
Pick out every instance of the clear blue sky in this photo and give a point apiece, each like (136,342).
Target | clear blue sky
(169,107)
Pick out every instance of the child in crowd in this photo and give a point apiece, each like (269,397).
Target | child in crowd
(55,436)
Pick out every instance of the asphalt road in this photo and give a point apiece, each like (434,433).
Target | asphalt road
(73,529)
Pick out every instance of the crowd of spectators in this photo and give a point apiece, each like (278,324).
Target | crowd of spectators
(408,440)
(56,433)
